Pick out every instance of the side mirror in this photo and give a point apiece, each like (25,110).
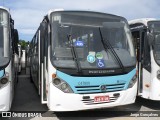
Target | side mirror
(150,38)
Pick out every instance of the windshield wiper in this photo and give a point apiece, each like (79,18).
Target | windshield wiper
(74,54)
(108,46)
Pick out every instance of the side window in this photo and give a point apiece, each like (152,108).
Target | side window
(35,44)
(136,42)
(44,43)
(46,48)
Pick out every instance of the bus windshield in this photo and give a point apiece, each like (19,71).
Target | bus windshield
(154,29)
(79,39)
(4,44)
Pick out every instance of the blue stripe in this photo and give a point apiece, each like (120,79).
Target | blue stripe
(93,84)
(1,73)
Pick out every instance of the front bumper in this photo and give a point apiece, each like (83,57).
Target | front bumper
(59,101)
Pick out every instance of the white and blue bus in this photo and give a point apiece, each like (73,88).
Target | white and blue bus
(19,58)
(146,36)
(83,60)
(8,57)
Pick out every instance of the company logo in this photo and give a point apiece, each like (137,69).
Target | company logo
(20,115)
(103,88)
(6,114)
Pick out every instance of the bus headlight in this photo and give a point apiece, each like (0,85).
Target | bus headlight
(56,81)
(132,82)
(158,74)
(62,85)
(4,80)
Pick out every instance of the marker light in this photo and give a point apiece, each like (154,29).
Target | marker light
(158,74)
(53,75)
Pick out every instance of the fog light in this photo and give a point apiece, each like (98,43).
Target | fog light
(64,86)
(56,81)
(4,80)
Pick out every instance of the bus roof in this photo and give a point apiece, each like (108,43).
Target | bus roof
(1,7)
(141,20)
(56,10)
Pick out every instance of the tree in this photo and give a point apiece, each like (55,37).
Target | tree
(23,44)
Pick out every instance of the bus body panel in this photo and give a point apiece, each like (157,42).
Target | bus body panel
(59,101)
(155,83)
(5,93)
(1,73)
(146,83)
(98,81)
(23,59)
(19,58)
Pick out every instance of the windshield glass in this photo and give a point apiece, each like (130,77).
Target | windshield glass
(4,53)
(77,39)
(154,29)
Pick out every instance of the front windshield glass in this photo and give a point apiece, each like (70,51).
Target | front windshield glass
(4,54)
(84,32)
(154,29)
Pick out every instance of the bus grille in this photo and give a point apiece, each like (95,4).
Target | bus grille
(97,88)
(91,101)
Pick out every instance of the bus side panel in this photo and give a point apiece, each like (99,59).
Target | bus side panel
(155,83)
(146,83)
(6,97)
(7,92)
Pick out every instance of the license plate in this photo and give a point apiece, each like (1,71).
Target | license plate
(101,99)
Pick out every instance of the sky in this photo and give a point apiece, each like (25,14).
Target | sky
(28,14)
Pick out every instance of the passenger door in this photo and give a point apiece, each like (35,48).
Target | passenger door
(143,61)
(43,50)
(146,66)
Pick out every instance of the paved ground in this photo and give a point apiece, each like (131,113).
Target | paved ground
(27,99)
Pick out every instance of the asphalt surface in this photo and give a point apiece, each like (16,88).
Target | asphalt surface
(27,100)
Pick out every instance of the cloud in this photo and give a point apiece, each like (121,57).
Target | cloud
(28,14)
(27,18)
(27,31)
